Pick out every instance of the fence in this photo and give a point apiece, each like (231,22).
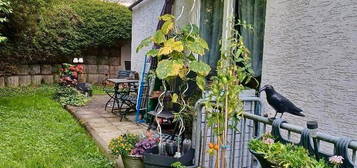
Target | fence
(253,125)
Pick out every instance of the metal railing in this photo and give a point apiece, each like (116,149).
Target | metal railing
(253,125)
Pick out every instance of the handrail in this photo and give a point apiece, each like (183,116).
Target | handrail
(298,129)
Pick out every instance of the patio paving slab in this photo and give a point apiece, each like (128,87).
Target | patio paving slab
(103,125)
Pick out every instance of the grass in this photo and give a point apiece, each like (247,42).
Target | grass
(36,132)
(99,90)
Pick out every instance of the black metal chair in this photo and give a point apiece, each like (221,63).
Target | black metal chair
(122,74)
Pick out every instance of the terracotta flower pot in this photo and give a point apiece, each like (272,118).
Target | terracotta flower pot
(132,162)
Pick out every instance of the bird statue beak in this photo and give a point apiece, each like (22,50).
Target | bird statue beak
(262,89)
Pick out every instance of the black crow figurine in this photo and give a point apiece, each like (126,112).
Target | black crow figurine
(280,103)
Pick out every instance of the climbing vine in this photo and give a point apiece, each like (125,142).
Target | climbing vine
(224,107)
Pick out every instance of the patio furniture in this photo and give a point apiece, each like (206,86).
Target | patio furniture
(124,98)
(121,74)
(126,74)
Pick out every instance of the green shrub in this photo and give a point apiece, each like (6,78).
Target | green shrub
(52,31)
(67,95)
(285,155)
(103,22)
(4,10)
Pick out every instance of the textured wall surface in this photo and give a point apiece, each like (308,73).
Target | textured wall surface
(99,64)
(145,19)
(125,53)
(310,56)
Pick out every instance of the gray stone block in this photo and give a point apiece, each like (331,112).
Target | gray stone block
(114,69)
(103,69)
(12,81)
(113,75)
(56,78)
(35,69)
(115,52)
(91,60)
(104,52)
(55,68)
(103,60)
(92,78)
(36,80)
(47,79)
(25,80)
(92,69)
(92,51)
(115,61)
(101,78)
(46,69)
(82,77)
(2,82)
(23,69)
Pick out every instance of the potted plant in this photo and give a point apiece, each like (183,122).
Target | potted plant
(271,153)
(176,50)
(223,106)
(145,144)
(123,146)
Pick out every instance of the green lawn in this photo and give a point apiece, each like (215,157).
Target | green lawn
(37,132)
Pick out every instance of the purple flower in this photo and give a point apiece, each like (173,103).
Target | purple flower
(142,146)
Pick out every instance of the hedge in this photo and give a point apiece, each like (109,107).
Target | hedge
(51,30)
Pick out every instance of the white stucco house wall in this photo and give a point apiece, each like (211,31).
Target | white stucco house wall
(310,55)
(145,18)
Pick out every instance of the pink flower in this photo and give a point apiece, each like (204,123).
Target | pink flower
(336,160)
(268,141)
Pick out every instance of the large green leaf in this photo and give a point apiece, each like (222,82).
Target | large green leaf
(174,98)
(159,37)
(144,43)
(152,53)
(195,48)
(201,42)
(200,68)
(168,68)
(201,82)
(171,45)
(167,17)
(191,30)
(167,27)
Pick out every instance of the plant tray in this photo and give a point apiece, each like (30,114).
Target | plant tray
(153,160)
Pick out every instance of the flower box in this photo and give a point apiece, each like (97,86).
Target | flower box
(153,160)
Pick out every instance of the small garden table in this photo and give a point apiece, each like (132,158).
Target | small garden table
(123,95)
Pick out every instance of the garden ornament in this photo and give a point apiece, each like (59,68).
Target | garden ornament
(280,103)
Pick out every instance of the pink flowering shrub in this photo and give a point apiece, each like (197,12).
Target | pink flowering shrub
(69,74)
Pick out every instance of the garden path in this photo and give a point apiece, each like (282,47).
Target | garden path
(103,125)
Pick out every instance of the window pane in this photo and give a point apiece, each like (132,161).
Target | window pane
(211,29)
(253,12)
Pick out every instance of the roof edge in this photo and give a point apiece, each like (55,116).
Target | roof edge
(134,4)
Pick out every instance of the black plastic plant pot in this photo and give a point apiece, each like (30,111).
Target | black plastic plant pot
(153,160)
(261,158)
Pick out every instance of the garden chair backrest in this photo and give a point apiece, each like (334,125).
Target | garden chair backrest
(124,74)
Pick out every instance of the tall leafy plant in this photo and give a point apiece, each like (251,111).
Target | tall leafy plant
(4,10)
(176,50)
(233,72)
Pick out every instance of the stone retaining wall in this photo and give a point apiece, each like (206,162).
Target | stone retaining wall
(97,67)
